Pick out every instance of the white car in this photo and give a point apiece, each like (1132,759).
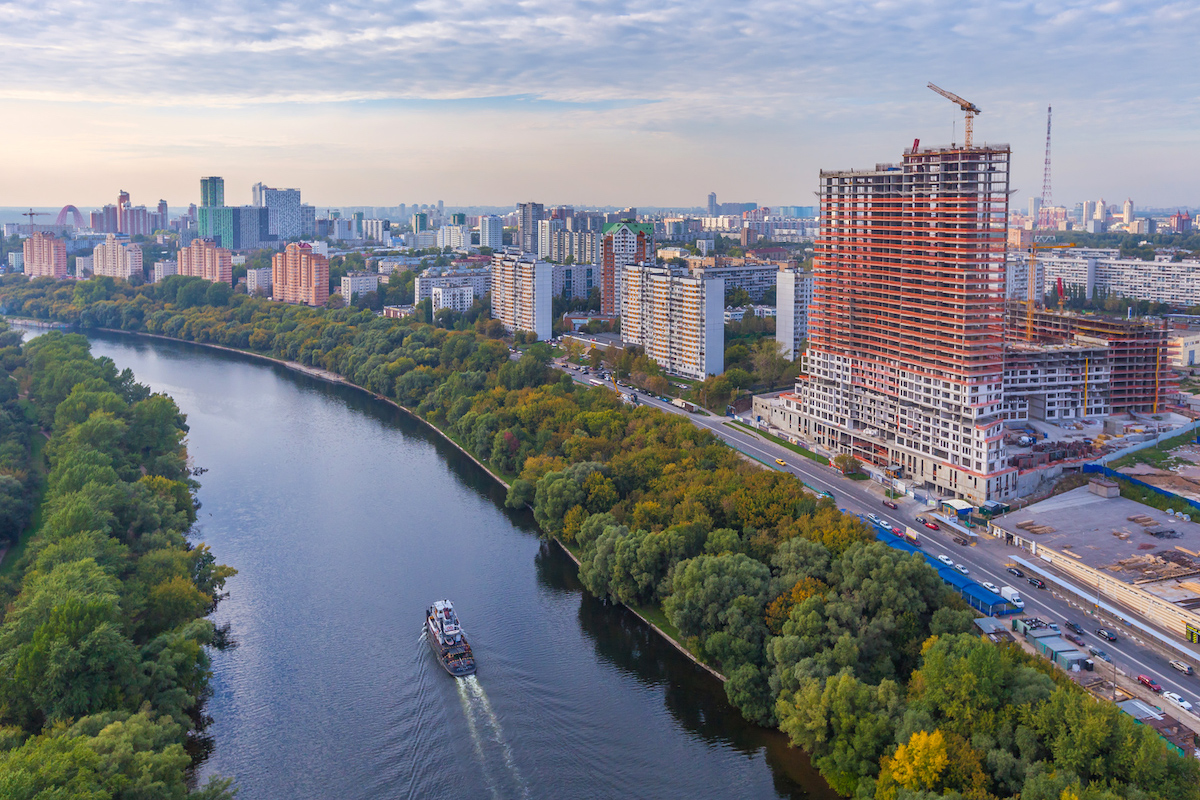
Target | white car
(991,587)
(962,569)
(1175,700)
(947,560)
(874,520)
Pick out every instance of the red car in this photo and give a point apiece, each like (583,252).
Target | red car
(1149,683)
(890,505)
(933,526)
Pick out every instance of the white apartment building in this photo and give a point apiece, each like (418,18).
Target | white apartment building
(456,237)
(374,230)
(1176,283)
(546,228)
(258,281)
(116,258)
(793,296)
(355,284)
(522,293)
(422,240)
(162,269)
(678,320)
(581,247)
(756,277)
(455,298)
(83,265)
(491,232)
(575,280)
(480,281)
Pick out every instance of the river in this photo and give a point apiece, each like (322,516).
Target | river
(344,518)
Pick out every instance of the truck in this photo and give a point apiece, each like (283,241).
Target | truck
(684,404)
(911,536)
(1011,595)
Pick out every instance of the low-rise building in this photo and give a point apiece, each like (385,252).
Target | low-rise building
(355,284)
(1183,349)
(677,319)
(455,298)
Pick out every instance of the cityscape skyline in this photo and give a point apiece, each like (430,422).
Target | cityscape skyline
(371,106)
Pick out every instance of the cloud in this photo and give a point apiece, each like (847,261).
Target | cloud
(699,76)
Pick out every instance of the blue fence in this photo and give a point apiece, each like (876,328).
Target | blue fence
(1174,498)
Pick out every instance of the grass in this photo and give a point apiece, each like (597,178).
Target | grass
(1131,491)
(657,616)
(1158,457)
(38,464)
(858,476)
(795,448)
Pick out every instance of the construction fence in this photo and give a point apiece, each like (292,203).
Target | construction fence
(1192,505)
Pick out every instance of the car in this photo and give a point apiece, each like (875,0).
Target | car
(933,526)
(1100,654)
(1015,571)
(1176,700)
(1052,626)
(781,462)
(1104,633)
(874,519)
(1075,626)
(1186,669)
(897,531)
(962,569)
(1073,639)
(825,495)
(1149,683)
(947,560)
(961,540)
(1039,583)
(890,505)
(991,587)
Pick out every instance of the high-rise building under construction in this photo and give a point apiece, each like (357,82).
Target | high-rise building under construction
(905,362)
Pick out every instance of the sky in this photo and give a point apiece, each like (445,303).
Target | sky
(625,102)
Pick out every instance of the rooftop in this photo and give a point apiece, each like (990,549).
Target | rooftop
(1132,542)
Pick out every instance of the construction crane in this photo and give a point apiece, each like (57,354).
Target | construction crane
(969,108)
(31,214)
(1031,277)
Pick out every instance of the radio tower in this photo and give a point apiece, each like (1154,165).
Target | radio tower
(1047,199)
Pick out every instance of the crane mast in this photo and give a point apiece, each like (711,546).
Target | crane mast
(968,108)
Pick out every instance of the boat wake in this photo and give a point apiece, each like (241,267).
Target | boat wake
(479,713)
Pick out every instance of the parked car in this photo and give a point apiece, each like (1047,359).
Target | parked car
(874,519)
(947,560)
(890,505)
(962,569)
(1186,669)
(1149,683)
(1038,582)
(897,531)
(1104,633)
(928,523)
(1015,571)
(1075,626)
(1100,654)
(991,587)
(1052,626)
(961,540)
(1177,701)
(1073,639)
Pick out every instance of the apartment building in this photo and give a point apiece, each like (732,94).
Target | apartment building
(480,281)
(575,280)
(677,319)
(491,232)
(522,293)
(906,329)
(455,298)
(117,258)
(753,275)
(164,269)
(298,275)
(45,256)
(528,217)
(625,243)
(579,247)
(546,229)
(204,259)
(258,281)
(1055,382)
(793,296)
(1104,272)
(284,219)
(456,237)
(355,284)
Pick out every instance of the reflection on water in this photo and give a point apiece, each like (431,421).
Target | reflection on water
(345,517)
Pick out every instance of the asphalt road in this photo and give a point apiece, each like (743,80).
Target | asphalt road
(987,561)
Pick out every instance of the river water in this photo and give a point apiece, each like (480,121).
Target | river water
(345,518)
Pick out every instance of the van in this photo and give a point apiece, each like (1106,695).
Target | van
(1182,667)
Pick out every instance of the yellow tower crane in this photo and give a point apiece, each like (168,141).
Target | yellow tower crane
(969,108)
(1030,278)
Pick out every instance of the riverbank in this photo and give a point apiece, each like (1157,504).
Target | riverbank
(333,377)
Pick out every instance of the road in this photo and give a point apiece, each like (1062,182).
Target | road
(987,561)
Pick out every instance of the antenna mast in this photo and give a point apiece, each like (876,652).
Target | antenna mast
(1047,198)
